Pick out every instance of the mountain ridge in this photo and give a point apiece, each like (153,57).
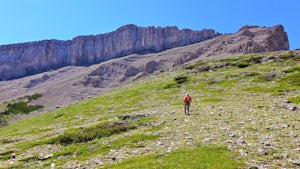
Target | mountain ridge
(19,60)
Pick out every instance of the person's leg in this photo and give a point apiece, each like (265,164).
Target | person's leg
(188,108)
(184,108)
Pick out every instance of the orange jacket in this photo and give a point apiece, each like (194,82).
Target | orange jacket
(186,98)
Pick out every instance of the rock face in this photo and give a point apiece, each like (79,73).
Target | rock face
(18,60)
(254,39)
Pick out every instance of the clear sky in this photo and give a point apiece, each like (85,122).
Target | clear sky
(33,20)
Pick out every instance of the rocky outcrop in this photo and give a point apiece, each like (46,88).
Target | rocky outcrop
(18,60)
(255,39)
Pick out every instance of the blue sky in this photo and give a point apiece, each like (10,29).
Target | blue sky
(33,20)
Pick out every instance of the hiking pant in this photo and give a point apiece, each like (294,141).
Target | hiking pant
(186,108)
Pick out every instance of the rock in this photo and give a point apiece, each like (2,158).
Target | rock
(254,39)
(243,153)
(240,142)
(292,107)
(44,157)
(297,149)
(190,138)
(206,140)
(295,162)
(12,156)
(268,58)
(160,155)
(230,148)
(131,71)
(293,135)
(35,82)
(262,151)
(126,116)
(151,66)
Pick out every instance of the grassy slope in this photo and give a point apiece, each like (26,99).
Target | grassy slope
(244,109)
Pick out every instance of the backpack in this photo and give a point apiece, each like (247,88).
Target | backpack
(188,100)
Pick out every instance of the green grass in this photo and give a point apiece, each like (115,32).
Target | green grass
(295,99)
(200,157)
(134,141)
(212,100)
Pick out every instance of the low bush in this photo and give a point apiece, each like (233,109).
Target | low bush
(204,68)
(190,67)
(286,56)
(171,85)
(242,64)
(181,79)
(253,59)
(91,133)
(33,97)
(21,107)
(250,74)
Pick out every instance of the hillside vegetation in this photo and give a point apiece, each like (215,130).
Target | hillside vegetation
(245,113)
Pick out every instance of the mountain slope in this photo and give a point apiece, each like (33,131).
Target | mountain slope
(248,104)
(71,84)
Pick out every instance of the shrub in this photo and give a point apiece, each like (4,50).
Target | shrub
(297,58)
(91,133)
(269,76)
(204,68)
(250,74)
(286,56)
(171,85)
(181,79)
(253,59)
(20,107)
(190,67)
(33,97)
(242,64)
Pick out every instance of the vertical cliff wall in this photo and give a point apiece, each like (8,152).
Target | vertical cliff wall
(18,60)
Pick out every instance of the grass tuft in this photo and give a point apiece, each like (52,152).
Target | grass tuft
(181,79)
(21,107)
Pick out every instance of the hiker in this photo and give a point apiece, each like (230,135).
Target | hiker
(187,101)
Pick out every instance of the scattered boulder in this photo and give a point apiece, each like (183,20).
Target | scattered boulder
(131,71)
(207,140)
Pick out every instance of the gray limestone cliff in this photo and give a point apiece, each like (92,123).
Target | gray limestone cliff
(19,60)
